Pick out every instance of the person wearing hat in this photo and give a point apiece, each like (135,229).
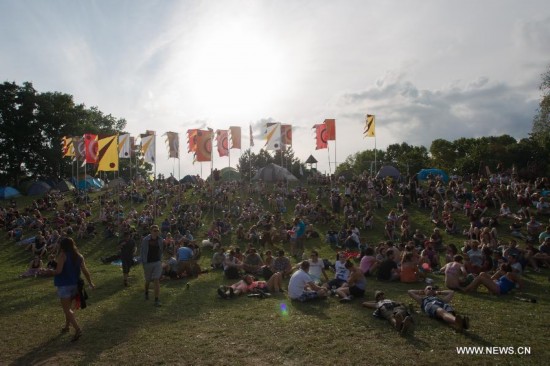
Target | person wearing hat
(438,307)
(395,312)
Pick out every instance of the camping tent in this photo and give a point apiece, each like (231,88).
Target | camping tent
(117,182)
(189,179)
(65,186)
(8,192)
(89,182)
(423,174)
(388,171)
(274,173)
(38,188)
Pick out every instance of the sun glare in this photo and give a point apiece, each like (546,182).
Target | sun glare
(234,68)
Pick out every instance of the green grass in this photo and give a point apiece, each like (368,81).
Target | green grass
(194,327)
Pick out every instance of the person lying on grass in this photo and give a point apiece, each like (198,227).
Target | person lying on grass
(438,307)
(250,285)
(502,282)
(395,312)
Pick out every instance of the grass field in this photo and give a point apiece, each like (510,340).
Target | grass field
(194,327)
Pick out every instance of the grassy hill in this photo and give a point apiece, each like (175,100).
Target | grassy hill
(194,327)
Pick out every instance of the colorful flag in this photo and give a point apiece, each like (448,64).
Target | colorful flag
(107,156)
(369,126)
(90,141)
(222,143)
(321,136)
(192,140)
(173,141)
(79,147)
(204,145)
(235,137)
(124,150)
(286,135)
(67,146)
(273,136)
(148,148)
(331,129)
(251,136)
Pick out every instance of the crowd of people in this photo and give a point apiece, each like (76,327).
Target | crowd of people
(156,225)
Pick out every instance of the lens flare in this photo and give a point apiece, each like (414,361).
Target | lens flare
(284,310)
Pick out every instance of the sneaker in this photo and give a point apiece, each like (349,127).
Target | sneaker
(158,304)
(406,325)
(222,293)
(345,299)
(398,321)
(466,322)
(459,324)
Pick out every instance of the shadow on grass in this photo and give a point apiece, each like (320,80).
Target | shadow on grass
(316,308)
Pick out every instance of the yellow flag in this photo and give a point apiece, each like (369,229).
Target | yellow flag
(107,153)
(369,126)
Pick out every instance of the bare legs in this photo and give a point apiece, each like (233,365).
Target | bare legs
(485,280)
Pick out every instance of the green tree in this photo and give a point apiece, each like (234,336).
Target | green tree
(406,158)
(541,121)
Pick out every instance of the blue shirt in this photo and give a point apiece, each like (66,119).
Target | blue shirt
(184,254)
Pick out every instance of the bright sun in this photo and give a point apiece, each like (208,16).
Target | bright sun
(234,68)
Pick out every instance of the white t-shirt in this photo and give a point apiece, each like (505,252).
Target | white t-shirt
(316,269)
(342,272)
(297,283)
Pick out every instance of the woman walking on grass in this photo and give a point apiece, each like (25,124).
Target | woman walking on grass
(67,273)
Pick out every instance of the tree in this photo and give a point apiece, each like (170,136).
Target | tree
(406,158)
(362,161)
(541,121)
(32,125)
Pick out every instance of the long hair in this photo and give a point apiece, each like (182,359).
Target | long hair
(68,246)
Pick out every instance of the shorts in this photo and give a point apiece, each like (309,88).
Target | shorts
(152,271)
(67,292)
(356,291)
(307,296)
(335,283)
(126,264)
(431,308)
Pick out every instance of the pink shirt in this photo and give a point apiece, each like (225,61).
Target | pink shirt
(366,263)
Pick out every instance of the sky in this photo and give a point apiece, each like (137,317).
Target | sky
(427,69)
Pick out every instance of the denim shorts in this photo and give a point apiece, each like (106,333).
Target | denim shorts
(67,292)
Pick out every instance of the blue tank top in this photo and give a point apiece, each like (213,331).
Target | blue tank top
(505,285)
(70,273)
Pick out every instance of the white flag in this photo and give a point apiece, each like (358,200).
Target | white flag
(124,146)
(148,148)
(273,137)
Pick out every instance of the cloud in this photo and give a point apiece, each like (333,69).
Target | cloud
(462,109)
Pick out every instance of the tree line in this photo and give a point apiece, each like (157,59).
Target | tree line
(32,124)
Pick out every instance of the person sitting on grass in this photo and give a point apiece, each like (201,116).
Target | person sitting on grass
(395,312)
(438,307)
(368,263)
(387,270)
(409,269)
(35,268)
(455,273)
(355,284)
(302,288)
(502,282)
(249,284)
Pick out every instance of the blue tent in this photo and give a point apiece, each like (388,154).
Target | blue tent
(89,182)
(423,174)
(38,188)
(8,192)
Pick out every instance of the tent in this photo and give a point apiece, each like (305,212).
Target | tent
(8,192)
(38,188)
(87,183)
(230,174)
(423,174)
(65,186)
(388,171)
(117,182)
(274,173)
(189,179)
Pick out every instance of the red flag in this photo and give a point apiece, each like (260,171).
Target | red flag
(90,141)
(286,135)
(331,129)
(222,143)
(192,140)
(235,137)
(320,136)
(204,145)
